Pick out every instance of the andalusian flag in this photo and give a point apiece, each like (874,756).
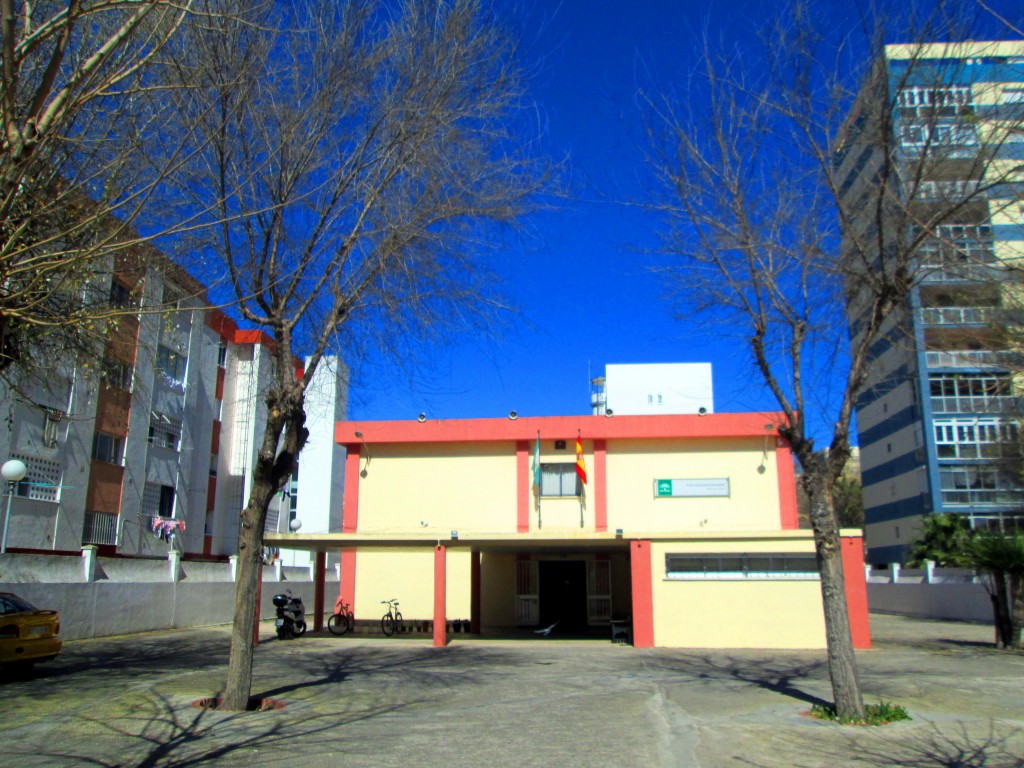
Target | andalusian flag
(581,468)
(536,464)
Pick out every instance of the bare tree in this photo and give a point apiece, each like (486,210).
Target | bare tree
(79,94)
(357,159)
(794,196)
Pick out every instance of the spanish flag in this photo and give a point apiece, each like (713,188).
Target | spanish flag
(581,468)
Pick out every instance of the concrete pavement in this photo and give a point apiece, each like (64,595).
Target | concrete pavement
(359,701)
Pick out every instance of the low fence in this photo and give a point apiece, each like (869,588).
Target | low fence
(930,592)
(98,597)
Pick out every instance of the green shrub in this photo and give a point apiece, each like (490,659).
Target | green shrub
(881,713)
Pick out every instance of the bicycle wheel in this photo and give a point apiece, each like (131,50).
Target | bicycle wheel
(338,624)
(399,626)
(387,624)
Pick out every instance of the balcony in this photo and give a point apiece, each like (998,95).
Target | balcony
(961,315)
(956,271)
(931,191)
(99,528)
(998,404)
(974,359)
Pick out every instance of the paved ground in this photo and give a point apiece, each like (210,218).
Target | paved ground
(539,702)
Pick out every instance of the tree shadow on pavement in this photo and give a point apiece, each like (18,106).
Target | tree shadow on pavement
(787,678)
(416,666)
(163,734)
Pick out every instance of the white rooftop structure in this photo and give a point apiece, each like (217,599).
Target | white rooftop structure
(653,388)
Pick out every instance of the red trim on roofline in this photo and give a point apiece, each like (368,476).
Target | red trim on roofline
(557,427)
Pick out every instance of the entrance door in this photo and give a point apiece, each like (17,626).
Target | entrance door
(527,599)
(599,592)
(563,595)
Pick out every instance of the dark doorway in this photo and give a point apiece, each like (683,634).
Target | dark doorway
(563,595)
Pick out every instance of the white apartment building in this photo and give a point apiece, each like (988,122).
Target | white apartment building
(152,448)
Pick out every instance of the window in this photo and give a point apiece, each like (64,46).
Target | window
(976,439)
(158,500)
(171,364)
(164,431)
(559,480)
(121,296)
(51,427)
(942,134)
(941,100)
(117,374)
(729,566)
(1013,95)
(107,448)
(222,353)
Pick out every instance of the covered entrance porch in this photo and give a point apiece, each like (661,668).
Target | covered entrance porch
(569,587)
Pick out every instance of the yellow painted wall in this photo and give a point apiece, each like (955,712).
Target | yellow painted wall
(408,576)
(753,503)
(746,613)
(497,590)
(470,488)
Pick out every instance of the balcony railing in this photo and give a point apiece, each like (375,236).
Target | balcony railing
(977,404)
(99,528)
(960,315)
(946,190)
(974,359)
(953,271)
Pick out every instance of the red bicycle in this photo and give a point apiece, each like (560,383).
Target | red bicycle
(342,621)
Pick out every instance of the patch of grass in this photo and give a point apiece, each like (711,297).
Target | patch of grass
(881,713)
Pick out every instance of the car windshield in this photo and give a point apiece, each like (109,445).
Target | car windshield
(13,604)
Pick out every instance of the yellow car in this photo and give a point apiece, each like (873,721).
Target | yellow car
(27,634)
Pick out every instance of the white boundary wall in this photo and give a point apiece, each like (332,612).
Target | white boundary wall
(99,597)
(933,593)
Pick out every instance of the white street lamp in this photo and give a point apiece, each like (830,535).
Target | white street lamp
(13,472)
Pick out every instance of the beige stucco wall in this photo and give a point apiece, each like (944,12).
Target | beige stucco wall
(744,613)
(753,503)
(408,576)
(470,488)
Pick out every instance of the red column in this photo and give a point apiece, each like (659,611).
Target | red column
(319,577)
(600,486)
(787,485)
(856,591)
(440,597)
(643,594)
(474,592)
(350,513)
(523,487)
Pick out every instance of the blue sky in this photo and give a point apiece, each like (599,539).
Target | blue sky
(581,281)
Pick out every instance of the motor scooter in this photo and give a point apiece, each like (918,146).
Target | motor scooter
(291,616)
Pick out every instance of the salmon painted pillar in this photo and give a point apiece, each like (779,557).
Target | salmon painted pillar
(856,591)
(319,577)
(643,594)
(440,597)
(347,585)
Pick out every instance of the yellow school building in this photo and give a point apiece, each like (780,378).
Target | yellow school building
(674,531)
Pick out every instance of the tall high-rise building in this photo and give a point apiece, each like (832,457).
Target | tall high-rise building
(938,420)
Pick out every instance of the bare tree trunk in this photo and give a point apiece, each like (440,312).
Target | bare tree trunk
(1002,610)
(1016,608)
(842,663)
(285,414)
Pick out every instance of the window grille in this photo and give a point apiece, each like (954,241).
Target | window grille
(732,566)
(42,478)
